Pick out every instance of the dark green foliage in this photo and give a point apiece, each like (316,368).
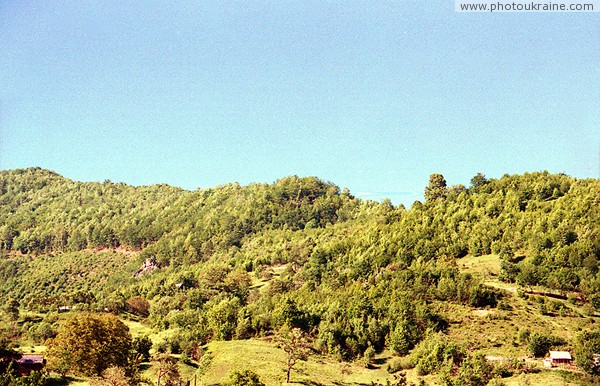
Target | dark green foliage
(7,352)
(142,346)
(538,344)
(437,188)
(9,377)
(478,181)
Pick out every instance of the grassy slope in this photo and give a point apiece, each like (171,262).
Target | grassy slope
(269,362)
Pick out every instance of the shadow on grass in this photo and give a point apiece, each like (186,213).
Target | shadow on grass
(60,381)
(191,364)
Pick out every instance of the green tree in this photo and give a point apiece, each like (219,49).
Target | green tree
(89,344)
(12,309)
(295,345)
(478,181)
(243,378)
(539,344)
(587,343)
(142,346)
(437,188)
(7,352)
(474,371)
(368,356)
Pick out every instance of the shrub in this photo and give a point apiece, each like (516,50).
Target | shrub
(397,364)
(243,378)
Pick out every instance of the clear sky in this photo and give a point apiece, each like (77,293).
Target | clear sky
(371,95)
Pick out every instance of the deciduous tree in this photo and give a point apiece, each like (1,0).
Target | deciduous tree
(295,345)
(89,344)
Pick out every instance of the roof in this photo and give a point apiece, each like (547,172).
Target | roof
(560,355)
(30,359)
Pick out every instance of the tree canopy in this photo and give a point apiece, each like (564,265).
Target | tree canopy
(88,344)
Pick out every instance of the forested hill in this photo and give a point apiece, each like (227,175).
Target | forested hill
(43,212)
(236,261)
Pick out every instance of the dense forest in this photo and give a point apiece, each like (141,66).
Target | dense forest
(235,262)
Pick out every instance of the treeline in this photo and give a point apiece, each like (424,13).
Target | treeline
(237,262)
(42,212)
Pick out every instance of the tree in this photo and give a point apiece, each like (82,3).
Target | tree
(437,188)
(295,345)
(142,346)
(137,305)
(478,181)
(368,356)
(167,371)
(243,378)
(587,343)
(7,352)
(89,344)
(112,376)
(12,309)
(475,370)
(539,344)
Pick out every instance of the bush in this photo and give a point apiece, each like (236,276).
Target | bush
(539,344)
(368,356)
(243,378)
(474,371)
(139,306)
(397,364)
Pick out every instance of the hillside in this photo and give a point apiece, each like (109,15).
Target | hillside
(467,272)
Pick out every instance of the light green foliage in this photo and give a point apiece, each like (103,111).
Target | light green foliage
(434,353)
(474,371)
(243,378)
(587,344)
(368,356)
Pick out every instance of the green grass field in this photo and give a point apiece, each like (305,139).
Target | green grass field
(269,362)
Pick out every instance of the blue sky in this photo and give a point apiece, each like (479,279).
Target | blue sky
(371,95)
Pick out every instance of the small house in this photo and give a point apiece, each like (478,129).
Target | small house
(560,358)
(30,362)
